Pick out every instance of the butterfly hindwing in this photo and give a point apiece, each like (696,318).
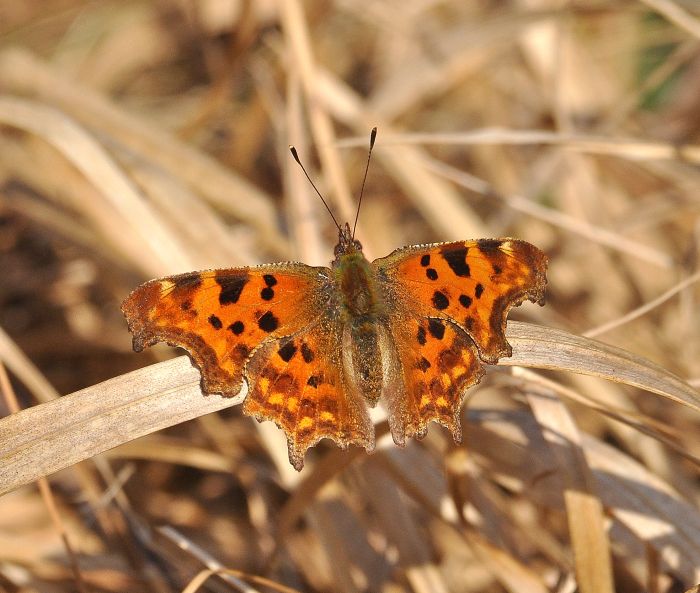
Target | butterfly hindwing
(299,383)
(439,362)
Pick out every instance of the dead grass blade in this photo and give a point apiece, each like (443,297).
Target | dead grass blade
(514,576)
(577,226)
(659,431)
(629,148)
(584,509)
(8,394)
(644,309)
(49,437)
(511,448)
(555,349)
(169,451)
(22,73)
(437,201)
(648,507)
(235,578)
(299,47)
(676,14)
(12,356)
(89,157)
(122,199)
(52,436)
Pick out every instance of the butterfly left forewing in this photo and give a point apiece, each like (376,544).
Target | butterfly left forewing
(221,316)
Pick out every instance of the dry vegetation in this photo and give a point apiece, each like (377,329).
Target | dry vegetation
(139,139)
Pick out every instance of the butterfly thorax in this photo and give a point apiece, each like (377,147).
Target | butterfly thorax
(362,310)
(358,290)
(355,279)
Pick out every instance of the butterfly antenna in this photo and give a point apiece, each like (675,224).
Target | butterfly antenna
(372,138)
(296,158)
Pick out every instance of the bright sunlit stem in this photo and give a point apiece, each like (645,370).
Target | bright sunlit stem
(296,158)
(372,138)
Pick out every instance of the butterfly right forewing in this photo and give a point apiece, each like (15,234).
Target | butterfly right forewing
(471,283)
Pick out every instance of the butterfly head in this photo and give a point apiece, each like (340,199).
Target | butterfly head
(347,244)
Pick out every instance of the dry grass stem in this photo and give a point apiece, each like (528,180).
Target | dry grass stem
(677,15)
(584,509)
(571,224)
(629,148)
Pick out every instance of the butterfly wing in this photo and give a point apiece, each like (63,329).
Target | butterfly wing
(437,362)
(300,385)
(450,303)
(221,316)
(243,323)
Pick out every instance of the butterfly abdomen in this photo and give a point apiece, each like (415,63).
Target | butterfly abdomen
(362,359)
(362,308)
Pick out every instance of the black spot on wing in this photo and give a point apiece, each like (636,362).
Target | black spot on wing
(237,327)
(268,322)
(425,260)
(436,328)
(287,351)
(313,381)
(489,246)
(269,280)
(231,288)
(479,290)
(306,353)
(421,335)
(266,294)
(440,300)
(456,258)
(423,364)
(215,322)
(465,301)
(431,273)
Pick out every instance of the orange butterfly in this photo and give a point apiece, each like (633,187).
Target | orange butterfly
(317,345)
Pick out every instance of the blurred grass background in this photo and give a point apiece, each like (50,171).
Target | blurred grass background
(139,139)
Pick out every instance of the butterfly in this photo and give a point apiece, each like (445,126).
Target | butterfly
(317,346)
